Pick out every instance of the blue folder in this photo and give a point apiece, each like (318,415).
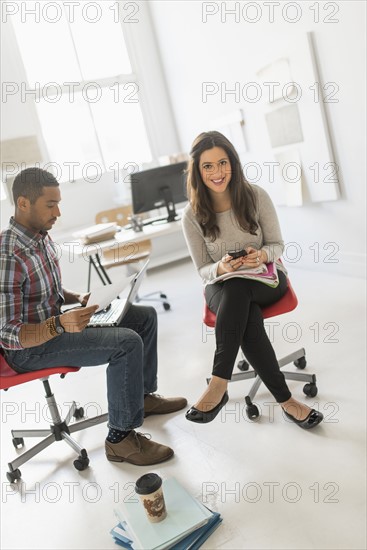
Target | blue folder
(193,541)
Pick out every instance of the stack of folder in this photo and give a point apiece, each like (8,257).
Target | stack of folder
(187,526)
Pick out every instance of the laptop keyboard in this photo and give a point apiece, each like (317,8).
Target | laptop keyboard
(105,315)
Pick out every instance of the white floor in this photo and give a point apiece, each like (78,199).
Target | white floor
(275,485)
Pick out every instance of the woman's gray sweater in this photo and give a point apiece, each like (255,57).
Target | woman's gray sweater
(206,254)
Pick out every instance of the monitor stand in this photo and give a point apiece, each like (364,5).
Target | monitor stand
(172,215)
(170,205)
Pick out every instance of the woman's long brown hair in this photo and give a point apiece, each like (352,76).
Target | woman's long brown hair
(243,199)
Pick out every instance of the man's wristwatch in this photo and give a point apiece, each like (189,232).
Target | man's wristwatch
(58,326)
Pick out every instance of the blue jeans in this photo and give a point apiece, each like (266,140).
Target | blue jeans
(129,349)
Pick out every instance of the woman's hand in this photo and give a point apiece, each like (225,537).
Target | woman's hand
(227,264)
(254,257)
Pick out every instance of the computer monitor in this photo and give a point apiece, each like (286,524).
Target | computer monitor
(162,186)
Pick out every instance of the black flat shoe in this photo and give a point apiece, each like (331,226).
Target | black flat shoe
(311,421)
(194,415)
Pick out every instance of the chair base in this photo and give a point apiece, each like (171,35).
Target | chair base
(156,296)
(161,298)
(58,431)
(299,360)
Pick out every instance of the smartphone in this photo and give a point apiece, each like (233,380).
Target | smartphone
(237,253)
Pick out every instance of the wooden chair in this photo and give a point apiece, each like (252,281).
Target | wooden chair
(128,253)
(124,254)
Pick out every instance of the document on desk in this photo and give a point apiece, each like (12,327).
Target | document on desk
(97,233)
(104,295)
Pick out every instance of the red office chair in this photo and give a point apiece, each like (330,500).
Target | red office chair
(59,430)
(287,303)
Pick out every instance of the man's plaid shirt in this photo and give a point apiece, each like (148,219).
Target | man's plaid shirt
(30,281)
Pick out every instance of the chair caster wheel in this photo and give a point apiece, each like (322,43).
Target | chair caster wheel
(243,365)
(164,296)
(300,363)
(13,476)
(78,413)
(252,412)
(310,390)
(18,442)
(166,306)
(81,463)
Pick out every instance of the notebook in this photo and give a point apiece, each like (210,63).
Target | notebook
(111,312)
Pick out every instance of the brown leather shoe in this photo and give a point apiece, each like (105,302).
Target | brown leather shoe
(156,404)
(137,449)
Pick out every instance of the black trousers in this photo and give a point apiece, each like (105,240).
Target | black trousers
(237,304)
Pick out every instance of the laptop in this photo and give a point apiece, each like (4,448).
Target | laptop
(110,313)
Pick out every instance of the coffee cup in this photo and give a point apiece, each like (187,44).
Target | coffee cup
(149,489)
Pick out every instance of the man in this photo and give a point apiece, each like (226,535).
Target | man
(35,334)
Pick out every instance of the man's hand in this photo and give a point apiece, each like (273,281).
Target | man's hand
(72,297)
(83,298)
(75,320)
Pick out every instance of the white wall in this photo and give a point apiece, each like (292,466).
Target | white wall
(194,52)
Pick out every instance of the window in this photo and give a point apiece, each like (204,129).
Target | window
(87,97)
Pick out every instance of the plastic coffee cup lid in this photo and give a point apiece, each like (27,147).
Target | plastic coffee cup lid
(148,483)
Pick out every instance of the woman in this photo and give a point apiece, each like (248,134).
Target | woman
(226,213)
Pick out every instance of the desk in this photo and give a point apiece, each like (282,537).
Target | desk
(93,252)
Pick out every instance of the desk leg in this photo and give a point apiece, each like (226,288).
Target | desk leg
(102,270)
(89,273)
(95,261)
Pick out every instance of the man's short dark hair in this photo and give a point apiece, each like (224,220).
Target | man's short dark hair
(30,182)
